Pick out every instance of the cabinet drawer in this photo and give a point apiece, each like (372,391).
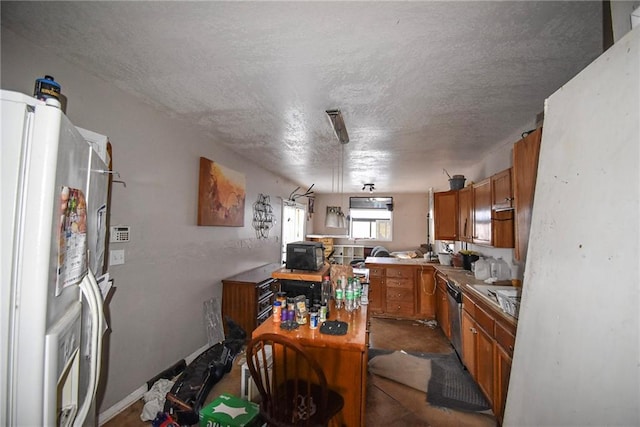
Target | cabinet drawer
(405,273)
(400,283)
(401,308)
(400,294)
(484,320)
(376,272)
(505,339)
(468,306)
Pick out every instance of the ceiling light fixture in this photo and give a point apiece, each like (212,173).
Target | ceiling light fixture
(370,187)
(335,216)
(337,122)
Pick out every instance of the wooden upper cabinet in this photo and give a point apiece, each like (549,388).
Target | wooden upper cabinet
(501,190)
(465,214)
(502,234)
(482,212)
(446,215)
(525,170)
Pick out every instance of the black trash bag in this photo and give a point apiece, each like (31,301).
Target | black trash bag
(192,387)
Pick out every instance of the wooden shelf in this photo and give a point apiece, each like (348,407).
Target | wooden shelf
(344,254)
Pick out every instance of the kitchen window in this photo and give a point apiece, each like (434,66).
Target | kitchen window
(371,218)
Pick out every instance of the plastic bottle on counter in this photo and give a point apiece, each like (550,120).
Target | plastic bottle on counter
(357,292)
(277,311)
(349,297)
(482,269)
(502,269)
(325,292)
(339,294)
(323,312)
(364,297)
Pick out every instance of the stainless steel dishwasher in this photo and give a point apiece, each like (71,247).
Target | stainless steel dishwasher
(454,298)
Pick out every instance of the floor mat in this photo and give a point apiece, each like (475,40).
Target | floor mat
(453,387)
(441,375)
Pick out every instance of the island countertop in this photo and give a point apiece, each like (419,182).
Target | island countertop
(343,359)
(356,337)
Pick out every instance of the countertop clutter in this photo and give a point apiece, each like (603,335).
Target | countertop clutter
(468,283)
(464,278)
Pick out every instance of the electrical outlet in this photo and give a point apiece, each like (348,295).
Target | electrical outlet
(116,257)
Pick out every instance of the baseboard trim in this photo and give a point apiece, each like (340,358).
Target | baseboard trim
(120,406)
(137,394)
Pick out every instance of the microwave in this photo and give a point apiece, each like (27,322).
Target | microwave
(305,256)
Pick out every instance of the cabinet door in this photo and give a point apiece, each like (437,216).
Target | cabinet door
(482,212)
(501,194)
(442,307)
(465,214)
(525,170)
(484,362)
(502,371)
(446,215)
(502,232)
(426,290)
(469,332)
(376,289)
(240,302)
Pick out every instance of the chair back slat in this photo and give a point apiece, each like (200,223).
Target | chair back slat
(291,383)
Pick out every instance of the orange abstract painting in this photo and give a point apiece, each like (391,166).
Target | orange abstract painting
(221,195)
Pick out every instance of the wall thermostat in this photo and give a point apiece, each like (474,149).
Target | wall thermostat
(119,234)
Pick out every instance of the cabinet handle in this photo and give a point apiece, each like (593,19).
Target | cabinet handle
(508,199)
(511,347)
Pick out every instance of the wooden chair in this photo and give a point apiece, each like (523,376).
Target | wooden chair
(291,383)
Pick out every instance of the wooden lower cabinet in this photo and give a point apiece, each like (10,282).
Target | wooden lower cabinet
(376,289)
(403,291)
(400,287)
(487,351)
(502,373)
(469,344)
(426,289)
(442,305)
(247,298)
(484,361)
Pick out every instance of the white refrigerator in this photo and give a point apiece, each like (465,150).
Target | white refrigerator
(54,225)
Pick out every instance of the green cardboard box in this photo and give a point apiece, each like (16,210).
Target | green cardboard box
(228,410)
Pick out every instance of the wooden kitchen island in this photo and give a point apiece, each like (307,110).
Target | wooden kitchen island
(342,357)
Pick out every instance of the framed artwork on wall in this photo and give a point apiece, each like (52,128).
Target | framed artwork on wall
(221,195)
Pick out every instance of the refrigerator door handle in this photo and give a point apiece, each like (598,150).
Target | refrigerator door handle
(91,291)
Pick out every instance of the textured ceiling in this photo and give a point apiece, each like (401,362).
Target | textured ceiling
(422,85)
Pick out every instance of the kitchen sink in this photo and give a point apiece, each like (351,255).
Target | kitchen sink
(490,292)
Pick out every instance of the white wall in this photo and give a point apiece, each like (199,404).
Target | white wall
(172,265)
(409,219)
(621,17)
(577,360)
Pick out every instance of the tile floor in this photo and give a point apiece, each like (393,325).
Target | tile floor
(388,402)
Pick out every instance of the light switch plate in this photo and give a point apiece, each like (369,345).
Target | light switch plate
(116,257)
